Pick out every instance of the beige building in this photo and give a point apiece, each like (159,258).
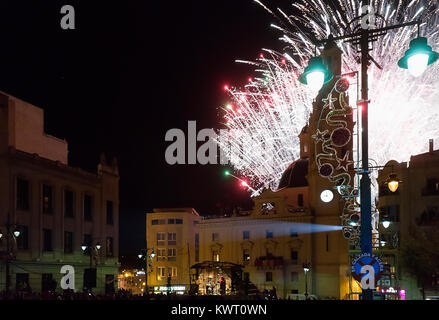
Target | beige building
(173,236)
(415,204)
(56,208)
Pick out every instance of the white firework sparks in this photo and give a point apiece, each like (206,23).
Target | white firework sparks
(273,108)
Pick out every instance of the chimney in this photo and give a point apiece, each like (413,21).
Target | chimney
(431,146)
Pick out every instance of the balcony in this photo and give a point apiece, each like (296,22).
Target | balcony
(269,262)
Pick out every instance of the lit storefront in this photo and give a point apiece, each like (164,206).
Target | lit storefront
(178,289)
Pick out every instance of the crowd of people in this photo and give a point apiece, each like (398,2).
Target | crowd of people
(121,295)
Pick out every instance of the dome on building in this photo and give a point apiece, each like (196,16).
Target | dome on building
(295,175)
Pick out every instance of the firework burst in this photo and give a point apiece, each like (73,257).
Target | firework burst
(265,117)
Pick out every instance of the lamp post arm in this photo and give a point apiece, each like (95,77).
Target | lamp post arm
(372,32)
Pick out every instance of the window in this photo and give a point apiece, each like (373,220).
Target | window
(172,254)
(294,256)
(109,247)
(172,239)
(160,238)
(178,221)
(294,276)
(23,239)
(197,247)
(68,242)
(300,200)
(327,242)
(246,276)
(161,273)
(215,256)
(110,212)
(269,235)
(88,202)
(171,221)
(156,221)
(215,236)
(293,233)
(294,291)
(268,276)
(172,271)
(68,203)
(47,199)
(22,194)
(268,253)
(47,240)
(161,254)
(246,255)
(432,187)
(245,235)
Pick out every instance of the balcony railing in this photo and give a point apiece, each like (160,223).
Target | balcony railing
(269,262)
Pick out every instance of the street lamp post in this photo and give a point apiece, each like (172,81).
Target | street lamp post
(92,250)
(306,268)
(144,254)
(416,59)
(9,235)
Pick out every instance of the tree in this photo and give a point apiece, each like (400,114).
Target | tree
(419,256)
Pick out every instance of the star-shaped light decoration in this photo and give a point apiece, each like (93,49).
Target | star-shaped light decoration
(329,101)
(344,163)
(319,136)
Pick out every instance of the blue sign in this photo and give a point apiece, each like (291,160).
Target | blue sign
(366,259)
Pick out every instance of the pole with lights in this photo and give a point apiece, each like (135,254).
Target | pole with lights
(148,254)
(416,59)
(92,251)
(10,235)
(306,268)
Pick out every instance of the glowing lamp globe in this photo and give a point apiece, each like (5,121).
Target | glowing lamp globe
(417,64)
(1,234)
(140,256)
(98,246)
(386,223)
(418,57)
(393,183)
(16,233)
(315,80)
(315,74)
(152,254)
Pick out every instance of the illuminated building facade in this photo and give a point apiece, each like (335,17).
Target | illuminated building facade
(173,235)
(55,207)
(414,205)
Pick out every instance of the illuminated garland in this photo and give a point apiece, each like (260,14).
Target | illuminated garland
(329,141)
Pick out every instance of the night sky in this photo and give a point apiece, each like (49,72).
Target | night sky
(129,72)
